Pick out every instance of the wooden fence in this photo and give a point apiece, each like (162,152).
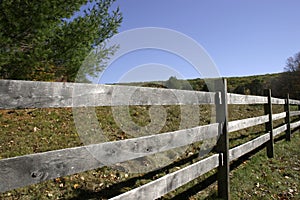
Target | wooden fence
(30,169)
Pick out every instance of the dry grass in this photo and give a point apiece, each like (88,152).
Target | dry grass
(38,130)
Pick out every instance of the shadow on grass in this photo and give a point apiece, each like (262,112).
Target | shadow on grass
(213,178)
(196,188)
(118,188)
(213,195)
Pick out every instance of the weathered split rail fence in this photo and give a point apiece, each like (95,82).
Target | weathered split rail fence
(30,169)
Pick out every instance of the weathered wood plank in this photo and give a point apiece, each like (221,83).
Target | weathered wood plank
(294,113)
(269,124)
(33,94)
(165,184)
(278,116)
(30,169)
(251,99)
(246,99)
(246,123)
(123,150)
(294,102)
(247,147)
(279,130)
(223,143)
(287,118)
(295,125)
(25,170)
(299,110)
(277,101)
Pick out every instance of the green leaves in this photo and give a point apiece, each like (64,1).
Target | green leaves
(288,82)
(36,38)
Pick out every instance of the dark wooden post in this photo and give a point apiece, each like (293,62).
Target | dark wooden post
(223,142)
(269,124)
(299,106)
(299,110)
(287,118)
(299,115)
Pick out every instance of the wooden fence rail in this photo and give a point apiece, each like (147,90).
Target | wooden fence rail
(30,169)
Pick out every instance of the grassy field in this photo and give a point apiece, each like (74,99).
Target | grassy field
(258,177)
(38,130)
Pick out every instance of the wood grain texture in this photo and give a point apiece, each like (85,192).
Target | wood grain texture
(30,169)
(33,94)
(269,124)
(222,146)
(294,113)
(295,125)
(245,123)
(246,99)
(277,101)
(35,168)
(287,119)
(278,116)
(25,170)
(294,102)
(247,147)
(165,184)
(279,130)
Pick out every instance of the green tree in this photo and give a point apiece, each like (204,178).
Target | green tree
(173,83)
(288,82)
(39,41)
(257,87)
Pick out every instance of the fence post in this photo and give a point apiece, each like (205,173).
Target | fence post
(299,106)
(269,124)
(223,142)
(299,115)
(287,118)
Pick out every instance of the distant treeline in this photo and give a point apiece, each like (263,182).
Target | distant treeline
(280,83)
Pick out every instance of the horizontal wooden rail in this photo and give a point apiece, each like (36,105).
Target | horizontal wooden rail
(294,102)
(30,94)
(249,122)
(29,169)
(278,101)
(295,125)
(245,99)
(278,116)
(167,183)
(251,99)
(246,123)
(247,147)
(279,130)
(294,113)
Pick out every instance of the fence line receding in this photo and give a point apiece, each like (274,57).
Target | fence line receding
(30,169)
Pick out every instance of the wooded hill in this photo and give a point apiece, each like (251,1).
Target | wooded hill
(250,85)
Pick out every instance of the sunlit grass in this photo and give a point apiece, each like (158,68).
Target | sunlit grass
(38,130)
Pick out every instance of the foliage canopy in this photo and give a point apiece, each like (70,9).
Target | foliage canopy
(42,40)
(288,82)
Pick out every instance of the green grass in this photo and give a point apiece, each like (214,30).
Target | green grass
(38,130)
(264,178)
(260,177)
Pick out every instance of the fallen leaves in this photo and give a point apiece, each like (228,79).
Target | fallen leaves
(35,129)
(76,186)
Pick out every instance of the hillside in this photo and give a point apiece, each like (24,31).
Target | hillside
(27,131)
(253,85)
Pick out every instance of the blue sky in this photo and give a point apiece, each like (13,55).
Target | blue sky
(243,37)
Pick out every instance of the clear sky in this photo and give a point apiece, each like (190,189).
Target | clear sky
(243,37)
